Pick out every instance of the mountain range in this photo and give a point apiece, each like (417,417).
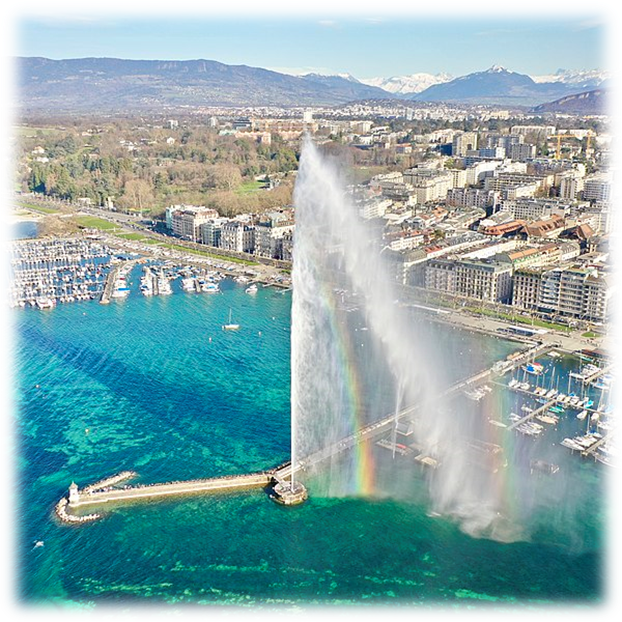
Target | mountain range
(498,86)
(589,102)
(417,82)
(109,84)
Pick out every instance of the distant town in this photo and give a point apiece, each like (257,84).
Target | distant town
(488,207)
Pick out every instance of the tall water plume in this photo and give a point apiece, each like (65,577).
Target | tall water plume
(357,356)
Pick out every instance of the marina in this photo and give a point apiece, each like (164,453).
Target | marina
(47,272)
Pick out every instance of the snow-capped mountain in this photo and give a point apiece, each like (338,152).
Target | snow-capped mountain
(591,77)
(414,83)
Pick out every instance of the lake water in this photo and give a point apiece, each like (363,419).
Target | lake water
(155,385)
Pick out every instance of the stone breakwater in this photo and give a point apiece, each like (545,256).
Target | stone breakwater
(107,490)
(61,512)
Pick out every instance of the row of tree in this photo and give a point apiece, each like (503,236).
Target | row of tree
(148,167)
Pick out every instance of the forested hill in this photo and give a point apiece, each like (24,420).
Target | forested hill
(111,84)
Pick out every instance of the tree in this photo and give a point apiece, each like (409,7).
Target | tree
(223,177)
(137,193)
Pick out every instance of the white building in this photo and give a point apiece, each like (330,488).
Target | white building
(185,220)
(471,197)
(429,184)
(597,187)
(237,236)
(570,185)
(463,143)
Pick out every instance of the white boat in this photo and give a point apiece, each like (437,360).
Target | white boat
(571,444)
(582,415)
(211,288)
(146,289)
(474,395)
(230,325)
(46,303)
(533,368)
(187,284)
(251,289)
(164,287)
(604,459)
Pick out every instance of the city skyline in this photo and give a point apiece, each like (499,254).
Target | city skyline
(364,47)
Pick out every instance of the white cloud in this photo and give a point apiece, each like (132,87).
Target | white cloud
(64,17)
(588,24)
(300,71)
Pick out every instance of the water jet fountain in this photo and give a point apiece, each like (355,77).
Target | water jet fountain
(356,355)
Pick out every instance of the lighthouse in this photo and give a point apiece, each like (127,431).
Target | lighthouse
(74,495)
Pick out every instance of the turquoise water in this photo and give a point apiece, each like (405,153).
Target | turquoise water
(24,229)
(154,385)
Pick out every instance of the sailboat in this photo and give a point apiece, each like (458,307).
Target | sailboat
(229,325)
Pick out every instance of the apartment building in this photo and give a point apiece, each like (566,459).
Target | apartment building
(210,231)
(482,280)
(573,291)
(534,209)
(462,143)
(429,184)
(521,152)
(237,236)
(571,183)
(269,237)
(185,220)
(526,288)
(597,187)
(471,197)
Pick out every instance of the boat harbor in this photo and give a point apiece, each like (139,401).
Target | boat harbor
(48,272)
(585,401)
(394,433)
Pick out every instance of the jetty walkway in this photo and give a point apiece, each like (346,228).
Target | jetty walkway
(591,450)
(532,414)
(109,286)
(105,491)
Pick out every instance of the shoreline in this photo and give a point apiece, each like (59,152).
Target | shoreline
(18,217)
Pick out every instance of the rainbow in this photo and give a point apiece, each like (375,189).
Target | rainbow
(362,481)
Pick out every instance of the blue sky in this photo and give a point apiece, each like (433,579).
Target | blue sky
(363,46)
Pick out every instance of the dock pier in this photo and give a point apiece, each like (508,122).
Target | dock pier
(105,491)
(109,286)
(280,480)
(532,414)
(590,451)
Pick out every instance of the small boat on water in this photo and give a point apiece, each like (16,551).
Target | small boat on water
(230,325)
(211,288)
(582,415)
(614,463)
(533,368)
(188,283)
(251,289)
